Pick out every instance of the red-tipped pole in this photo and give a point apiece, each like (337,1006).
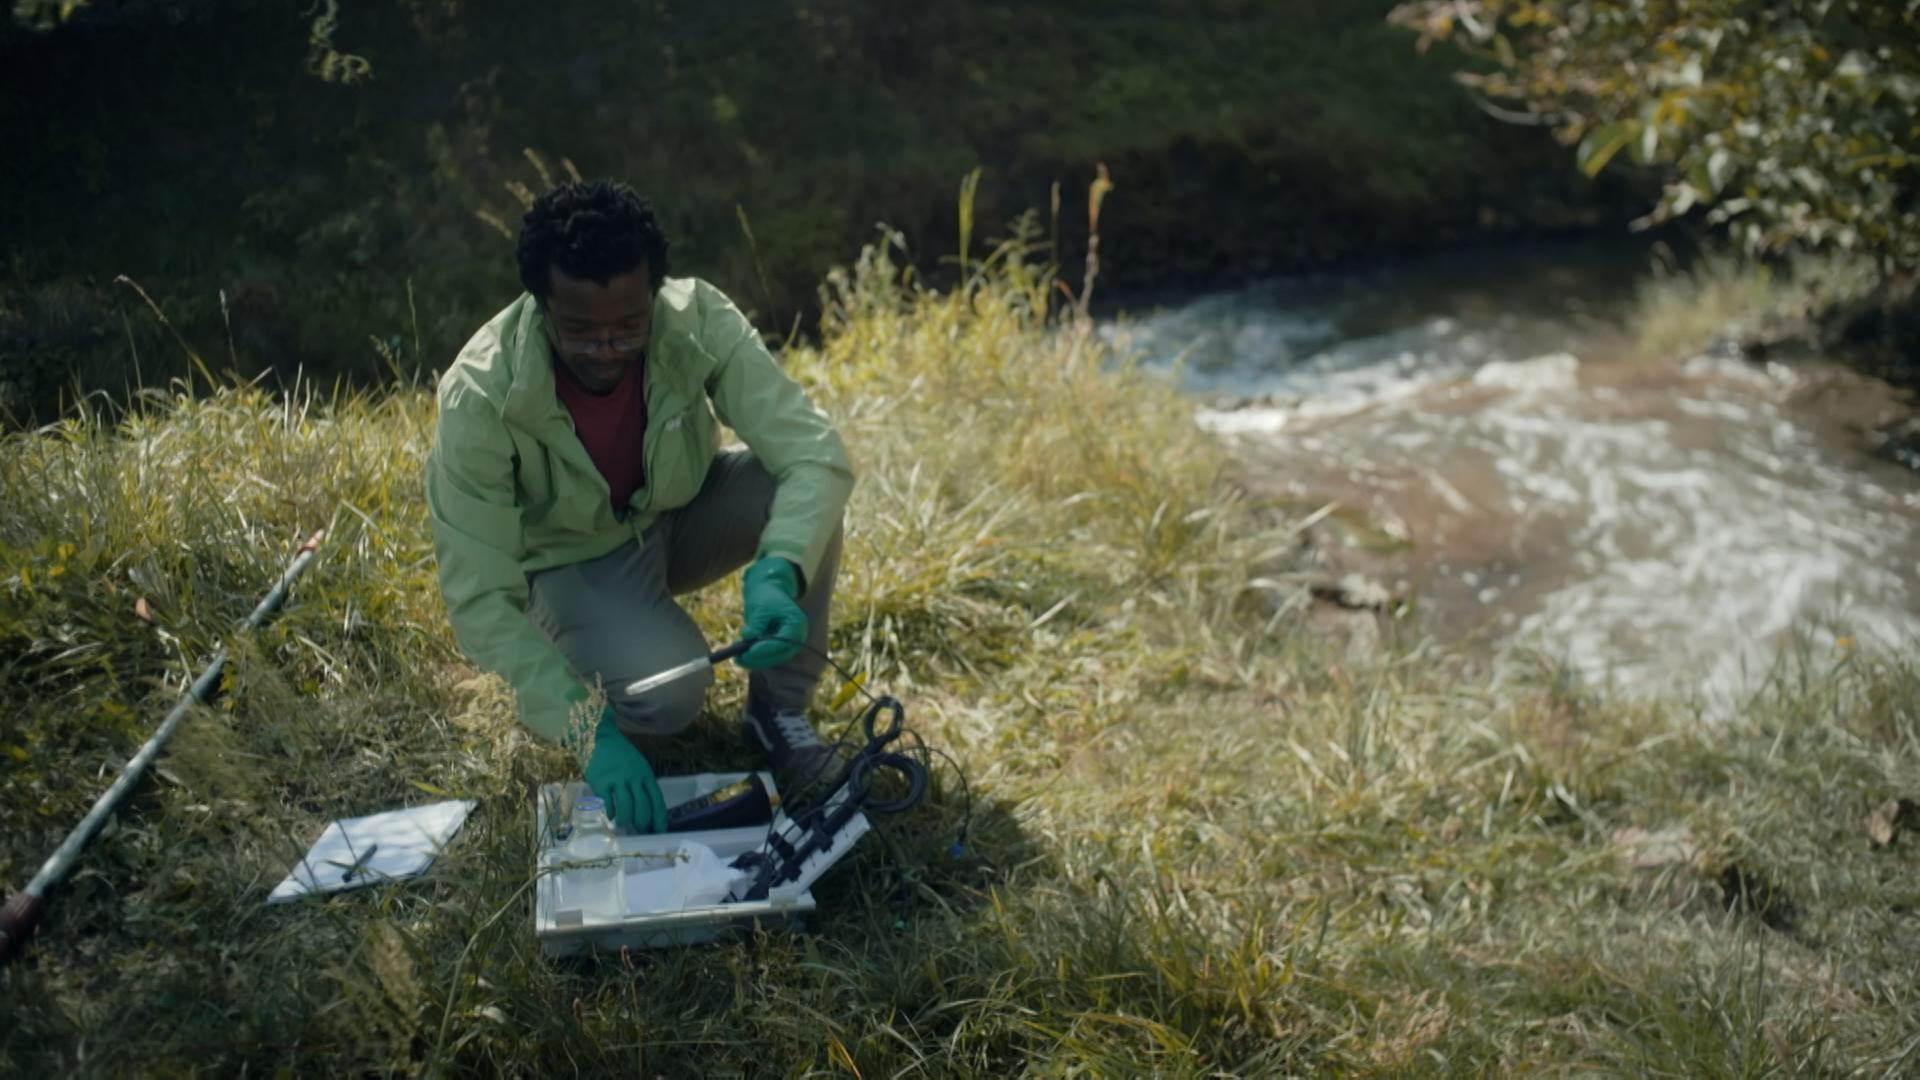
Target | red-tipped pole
(23,909)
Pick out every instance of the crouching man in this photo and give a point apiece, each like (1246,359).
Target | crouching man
(576,486)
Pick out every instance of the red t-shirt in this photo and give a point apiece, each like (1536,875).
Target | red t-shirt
(611,427)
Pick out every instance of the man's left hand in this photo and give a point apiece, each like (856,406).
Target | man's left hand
(774,621)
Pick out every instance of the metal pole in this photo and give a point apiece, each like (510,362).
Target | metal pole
(22,911)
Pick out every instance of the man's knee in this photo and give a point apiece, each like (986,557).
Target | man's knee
(749,481)
(663,710)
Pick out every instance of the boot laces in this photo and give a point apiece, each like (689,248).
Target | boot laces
(794,729)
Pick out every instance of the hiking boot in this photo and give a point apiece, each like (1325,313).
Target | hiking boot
(800,760)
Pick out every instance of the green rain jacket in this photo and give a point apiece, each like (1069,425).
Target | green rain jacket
(511,490)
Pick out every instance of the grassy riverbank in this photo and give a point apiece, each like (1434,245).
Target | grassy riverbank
(1743,302)
(1203,842)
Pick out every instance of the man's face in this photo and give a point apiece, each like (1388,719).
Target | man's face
(599,331)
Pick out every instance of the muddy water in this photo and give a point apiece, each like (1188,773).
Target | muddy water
(1490,455)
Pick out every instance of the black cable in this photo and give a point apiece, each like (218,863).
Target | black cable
(959,847)
(865,762)
(784,853)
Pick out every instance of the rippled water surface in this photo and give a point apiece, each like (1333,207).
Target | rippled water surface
(1660,527)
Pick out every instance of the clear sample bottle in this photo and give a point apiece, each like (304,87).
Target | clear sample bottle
(594,891)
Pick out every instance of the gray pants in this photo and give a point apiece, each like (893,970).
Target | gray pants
(616,620)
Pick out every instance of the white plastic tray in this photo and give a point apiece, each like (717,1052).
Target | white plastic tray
(564,933)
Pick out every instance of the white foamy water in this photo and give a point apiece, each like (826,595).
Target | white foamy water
(1660,533)
(1657,529)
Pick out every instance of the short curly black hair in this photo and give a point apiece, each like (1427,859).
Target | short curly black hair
(594,230)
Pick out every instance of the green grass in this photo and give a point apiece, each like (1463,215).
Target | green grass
(1204,842)
(1730,297)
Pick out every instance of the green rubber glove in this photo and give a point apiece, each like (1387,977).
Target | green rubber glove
(772,593)
(618,772)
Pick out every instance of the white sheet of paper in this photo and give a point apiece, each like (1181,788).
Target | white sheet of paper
(408,841)
(694,877)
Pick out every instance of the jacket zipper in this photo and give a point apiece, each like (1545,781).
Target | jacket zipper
(649,439)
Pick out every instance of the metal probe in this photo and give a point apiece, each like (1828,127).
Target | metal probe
(698,663)
(22,910)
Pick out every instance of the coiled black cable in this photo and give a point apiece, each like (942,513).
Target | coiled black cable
(916,770)
(857,775)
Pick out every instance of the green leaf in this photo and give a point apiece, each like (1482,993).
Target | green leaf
(1718,166)
(1645,146)
(1602,143)
(1813,182)
(1700,179)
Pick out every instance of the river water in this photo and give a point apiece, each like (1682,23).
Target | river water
(1489,451)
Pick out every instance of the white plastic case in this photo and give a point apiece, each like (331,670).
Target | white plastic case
(653,917)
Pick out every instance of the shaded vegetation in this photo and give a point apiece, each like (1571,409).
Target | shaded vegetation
(1794,127)
(1793,124)
(1202,844)
(288,223)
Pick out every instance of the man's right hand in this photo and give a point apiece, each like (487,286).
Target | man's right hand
(618,772)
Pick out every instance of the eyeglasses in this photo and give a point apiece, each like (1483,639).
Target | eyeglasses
(593,346)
